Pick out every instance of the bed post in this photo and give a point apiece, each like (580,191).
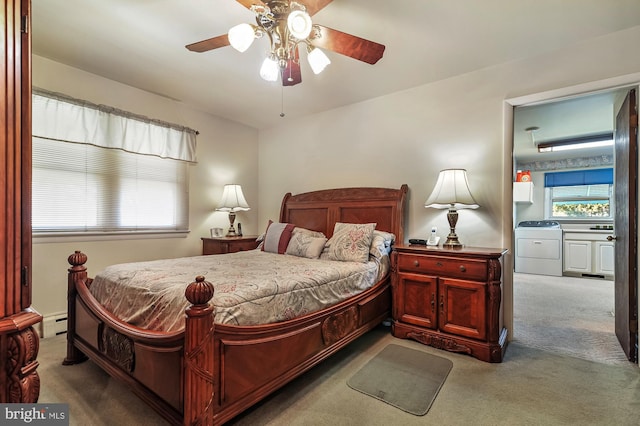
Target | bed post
(198,354)
(77,272)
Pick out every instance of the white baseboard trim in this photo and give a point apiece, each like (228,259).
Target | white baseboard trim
(52,325)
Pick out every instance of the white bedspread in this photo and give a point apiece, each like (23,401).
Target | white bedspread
(251,287)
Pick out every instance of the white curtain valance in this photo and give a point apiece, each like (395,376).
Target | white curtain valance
(59,117)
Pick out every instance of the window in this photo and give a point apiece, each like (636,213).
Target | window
(92,188)
(579,195)
(84,188)
(581,202)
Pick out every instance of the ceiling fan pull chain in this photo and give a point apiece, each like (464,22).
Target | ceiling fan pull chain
(281,101)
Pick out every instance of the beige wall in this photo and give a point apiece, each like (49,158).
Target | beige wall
(407,137)
(227,153)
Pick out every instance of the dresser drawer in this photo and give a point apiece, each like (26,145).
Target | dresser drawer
(469,269)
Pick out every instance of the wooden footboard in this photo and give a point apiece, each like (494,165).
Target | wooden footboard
(207,374)
(149,362)
(210,373)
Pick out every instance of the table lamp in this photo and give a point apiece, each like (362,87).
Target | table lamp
(452,192)
(232,201)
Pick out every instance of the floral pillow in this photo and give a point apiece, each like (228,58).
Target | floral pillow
(309,232)
(381,244)
(350,242)
(305,244)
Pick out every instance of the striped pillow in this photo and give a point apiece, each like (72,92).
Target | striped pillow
(277,237)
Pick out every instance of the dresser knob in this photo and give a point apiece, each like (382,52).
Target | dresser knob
(462,268)
(416,263)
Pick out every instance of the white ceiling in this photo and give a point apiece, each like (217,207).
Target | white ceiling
(141,43)
(586,115)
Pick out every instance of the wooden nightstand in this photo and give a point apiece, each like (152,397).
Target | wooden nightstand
(222,245)
(450,299)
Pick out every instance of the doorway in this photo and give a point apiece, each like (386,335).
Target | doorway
(560,313)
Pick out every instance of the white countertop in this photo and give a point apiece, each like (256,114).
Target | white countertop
(589,231)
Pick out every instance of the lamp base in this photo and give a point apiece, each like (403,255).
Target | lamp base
(232,231)
(452,242)
(452,238)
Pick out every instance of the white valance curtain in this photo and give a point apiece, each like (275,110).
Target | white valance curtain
(59,117)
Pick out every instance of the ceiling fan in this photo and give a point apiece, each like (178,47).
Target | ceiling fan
(287,24)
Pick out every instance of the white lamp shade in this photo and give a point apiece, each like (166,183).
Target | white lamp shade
(318,60)
(233,199)
(452,190)
(241,36)
(299,24)
(269,70)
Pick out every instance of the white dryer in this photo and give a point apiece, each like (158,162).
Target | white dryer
(538,247)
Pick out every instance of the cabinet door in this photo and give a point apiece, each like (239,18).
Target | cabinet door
(210,246)
(462,308)
(577,256)
(242,246)
(605,257)
(415,300)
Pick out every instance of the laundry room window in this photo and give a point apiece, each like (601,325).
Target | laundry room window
(586,195)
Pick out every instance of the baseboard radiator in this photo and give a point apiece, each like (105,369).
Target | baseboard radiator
(52,325)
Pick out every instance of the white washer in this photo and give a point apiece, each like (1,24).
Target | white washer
(539,247)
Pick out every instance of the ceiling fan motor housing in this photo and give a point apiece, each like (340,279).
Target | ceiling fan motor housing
(274,19)
(288,23)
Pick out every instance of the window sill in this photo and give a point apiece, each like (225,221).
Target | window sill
(67,237)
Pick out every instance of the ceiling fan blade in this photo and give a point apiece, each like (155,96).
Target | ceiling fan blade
(348,45)
(291,74)
(249,3)
(209,44)
(315,6)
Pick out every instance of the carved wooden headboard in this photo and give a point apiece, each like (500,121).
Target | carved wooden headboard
(320,210)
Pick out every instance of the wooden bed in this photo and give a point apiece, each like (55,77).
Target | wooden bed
(207,374)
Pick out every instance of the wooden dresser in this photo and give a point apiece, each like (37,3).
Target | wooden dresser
(450,299)
(222,245)
(19,342)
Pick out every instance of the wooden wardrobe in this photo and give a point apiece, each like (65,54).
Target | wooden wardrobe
(19,381)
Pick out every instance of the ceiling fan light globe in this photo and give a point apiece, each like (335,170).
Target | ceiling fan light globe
(241,37)
(317,60)
(299,24)
(269,70)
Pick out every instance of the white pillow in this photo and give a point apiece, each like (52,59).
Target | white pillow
(303,244)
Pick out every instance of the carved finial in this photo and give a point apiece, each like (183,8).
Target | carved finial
(78,258)
(199,292)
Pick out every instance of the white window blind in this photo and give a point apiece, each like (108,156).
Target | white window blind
(80,187)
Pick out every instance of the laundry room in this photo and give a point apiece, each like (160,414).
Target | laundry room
(563,190)
(574,216)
